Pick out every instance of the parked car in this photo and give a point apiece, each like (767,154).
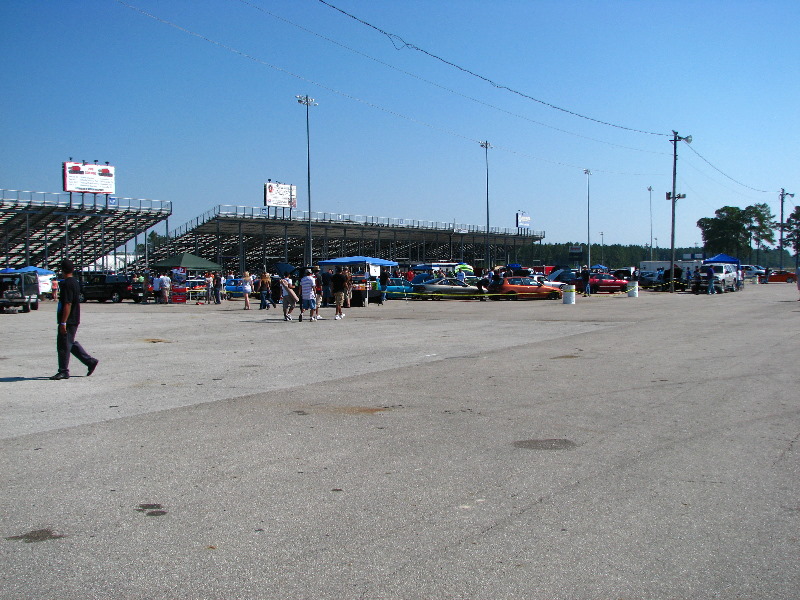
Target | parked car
(724,278)
(601,282)
(19,289)
(650,279)
(522,288)
(782,276)
(103,287)
(234,288)
(539,278)
(561,275)
(752,271)
(446,287)
(399,287)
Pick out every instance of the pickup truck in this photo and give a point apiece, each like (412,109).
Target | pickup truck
(103,287)
(19,289)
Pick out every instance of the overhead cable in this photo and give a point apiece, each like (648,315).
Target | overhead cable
(441,87)
(725,174)
(330,89)
(394,38)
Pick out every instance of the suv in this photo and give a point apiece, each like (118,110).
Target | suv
(102,287)
(752,271)
(19,289)
(724,278)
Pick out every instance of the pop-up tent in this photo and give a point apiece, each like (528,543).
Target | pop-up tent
(723,258)
(357,260)
(190,262)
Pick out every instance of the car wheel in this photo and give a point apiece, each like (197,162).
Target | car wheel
(595,289)
(790,280)
(81,298)
(554,296)
(116,298)
(35,305)
(26,308)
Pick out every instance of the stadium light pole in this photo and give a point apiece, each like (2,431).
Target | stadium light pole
(674,197)
(650,189)
(487,257)
(308,102)
(588,174)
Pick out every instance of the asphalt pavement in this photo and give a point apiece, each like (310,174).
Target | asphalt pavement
(615,448)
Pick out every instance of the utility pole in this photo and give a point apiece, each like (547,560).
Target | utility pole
(673,196)
(487,256)
(784,193)
(650,189)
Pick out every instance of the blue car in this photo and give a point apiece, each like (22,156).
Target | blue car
(398,288)
(234,289)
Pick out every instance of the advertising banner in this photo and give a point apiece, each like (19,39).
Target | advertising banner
(280,194)
(523,221)
(89,178)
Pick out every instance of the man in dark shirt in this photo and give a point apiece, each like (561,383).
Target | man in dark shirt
(339,288)
(384,281)
(69,317)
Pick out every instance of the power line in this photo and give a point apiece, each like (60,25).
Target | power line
(725,174)
(394,38)
(442,87)
(338,92)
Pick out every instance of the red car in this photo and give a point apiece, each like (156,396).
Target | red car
(780,277)
(601,282)
(522,288)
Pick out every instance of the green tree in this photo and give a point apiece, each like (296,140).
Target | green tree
(153,241)
(791,233)
(726,232)
(760,225)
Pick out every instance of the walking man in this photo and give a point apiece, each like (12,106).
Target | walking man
(288,297)
(308,295)
(384,281)
(68,314)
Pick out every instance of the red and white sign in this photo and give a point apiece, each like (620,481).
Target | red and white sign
(89,178)
(280,194)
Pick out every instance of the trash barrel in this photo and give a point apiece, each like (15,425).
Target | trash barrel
(633,289)
(569,294)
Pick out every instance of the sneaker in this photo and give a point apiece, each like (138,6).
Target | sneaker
(337,317)
(343,315)
(60,375)
(313,318)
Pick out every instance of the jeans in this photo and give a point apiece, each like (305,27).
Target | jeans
(265,299)
(711,288)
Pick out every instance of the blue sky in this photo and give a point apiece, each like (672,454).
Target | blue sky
(202,122)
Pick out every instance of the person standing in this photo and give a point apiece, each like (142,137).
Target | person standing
(288,297)
(348,287)
(68,316)
(209,288)
(264,290)
(247,287)
(710,278)
(156,288)
(339,288)
(217,288)
(327,275)
(308,295)
(384,281)
(166,284)
(586,279)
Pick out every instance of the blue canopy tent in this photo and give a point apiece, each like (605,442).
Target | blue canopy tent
(600,267)
(38,270)
(357,260)
(723,258)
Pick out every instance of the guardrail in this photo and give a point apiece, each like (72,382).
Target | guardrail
(77,200)
(285,214)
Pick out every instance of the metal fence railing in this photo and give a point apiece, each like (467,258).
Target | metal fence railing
(86,201)
(276,213)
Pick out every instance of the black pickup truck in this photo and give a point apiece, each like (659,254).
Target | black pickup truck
(103,287)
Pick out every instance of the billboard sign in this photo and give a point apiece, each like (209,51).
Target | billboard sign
(280,194)
(89,178)
(523,221)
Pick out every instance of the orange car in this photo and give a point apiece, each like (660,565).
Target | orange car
(522,288)
(781,277)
